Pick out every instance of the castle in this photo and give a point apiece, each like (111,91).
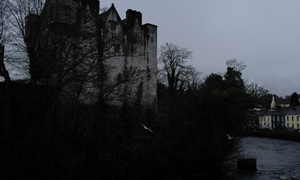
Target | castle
(92,56)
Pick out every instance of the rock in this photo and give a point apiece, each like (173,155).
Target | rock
(246,164)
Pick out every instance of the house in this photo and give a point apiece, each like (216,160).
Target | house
(283,102)
(286,117)
(92,57)
(292,118)
(279,116)
(265,119)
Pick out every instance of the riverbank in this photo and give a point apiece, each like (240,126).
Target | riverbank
(275,134)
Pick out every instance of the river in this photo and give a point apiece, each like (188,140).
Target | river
(275,159)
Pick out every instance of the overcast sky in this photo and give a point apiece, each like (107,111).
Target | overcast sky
(264,34)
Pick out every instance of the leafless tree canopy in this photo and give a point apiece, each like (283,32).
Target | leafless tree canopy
(175,72)
(235,65)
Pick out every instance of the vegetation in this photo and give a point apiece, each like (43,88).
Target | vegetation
(86,142)
(198,120)
(294,100)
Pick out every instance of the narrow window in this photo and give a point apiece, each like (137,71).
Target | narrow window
(66,11)
(116,48)
(147,58)
(51,11)
(125,38)
(113,25)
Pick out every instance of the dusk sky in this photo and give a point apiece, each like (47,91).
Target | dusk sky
(264,34)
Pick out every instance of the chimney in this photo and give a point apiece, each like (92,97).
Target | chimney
(132,15)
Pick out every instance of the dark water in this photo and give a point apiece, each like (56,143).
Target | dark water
(276,159)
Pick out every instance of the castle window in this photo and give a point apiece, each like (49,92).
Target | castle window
(125,38)
(152,39)
(51,11)
(66,11)
(147,57)
(113,25)
(116,48)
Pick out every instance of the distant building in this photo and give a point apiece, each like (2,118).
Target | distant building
(265,119)
(292,118)
(278,117)
(281,116)
(273,104)
(91,54)
(283,102)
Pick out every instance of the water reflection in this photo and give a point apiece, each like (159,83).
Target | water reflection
(276,159)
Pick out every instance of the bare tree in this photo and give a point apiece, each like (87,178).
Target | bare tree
(173,59)
(257,92)
(18,48)
(191,78)
(3,21)
(6,89)
(4,26)
(235,65)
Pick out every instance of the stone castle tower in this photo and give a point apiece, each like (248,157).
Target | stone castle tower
(103,48)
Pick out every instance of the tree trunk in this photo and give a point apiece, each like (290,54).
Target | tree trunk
(7,101)
(7,105)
